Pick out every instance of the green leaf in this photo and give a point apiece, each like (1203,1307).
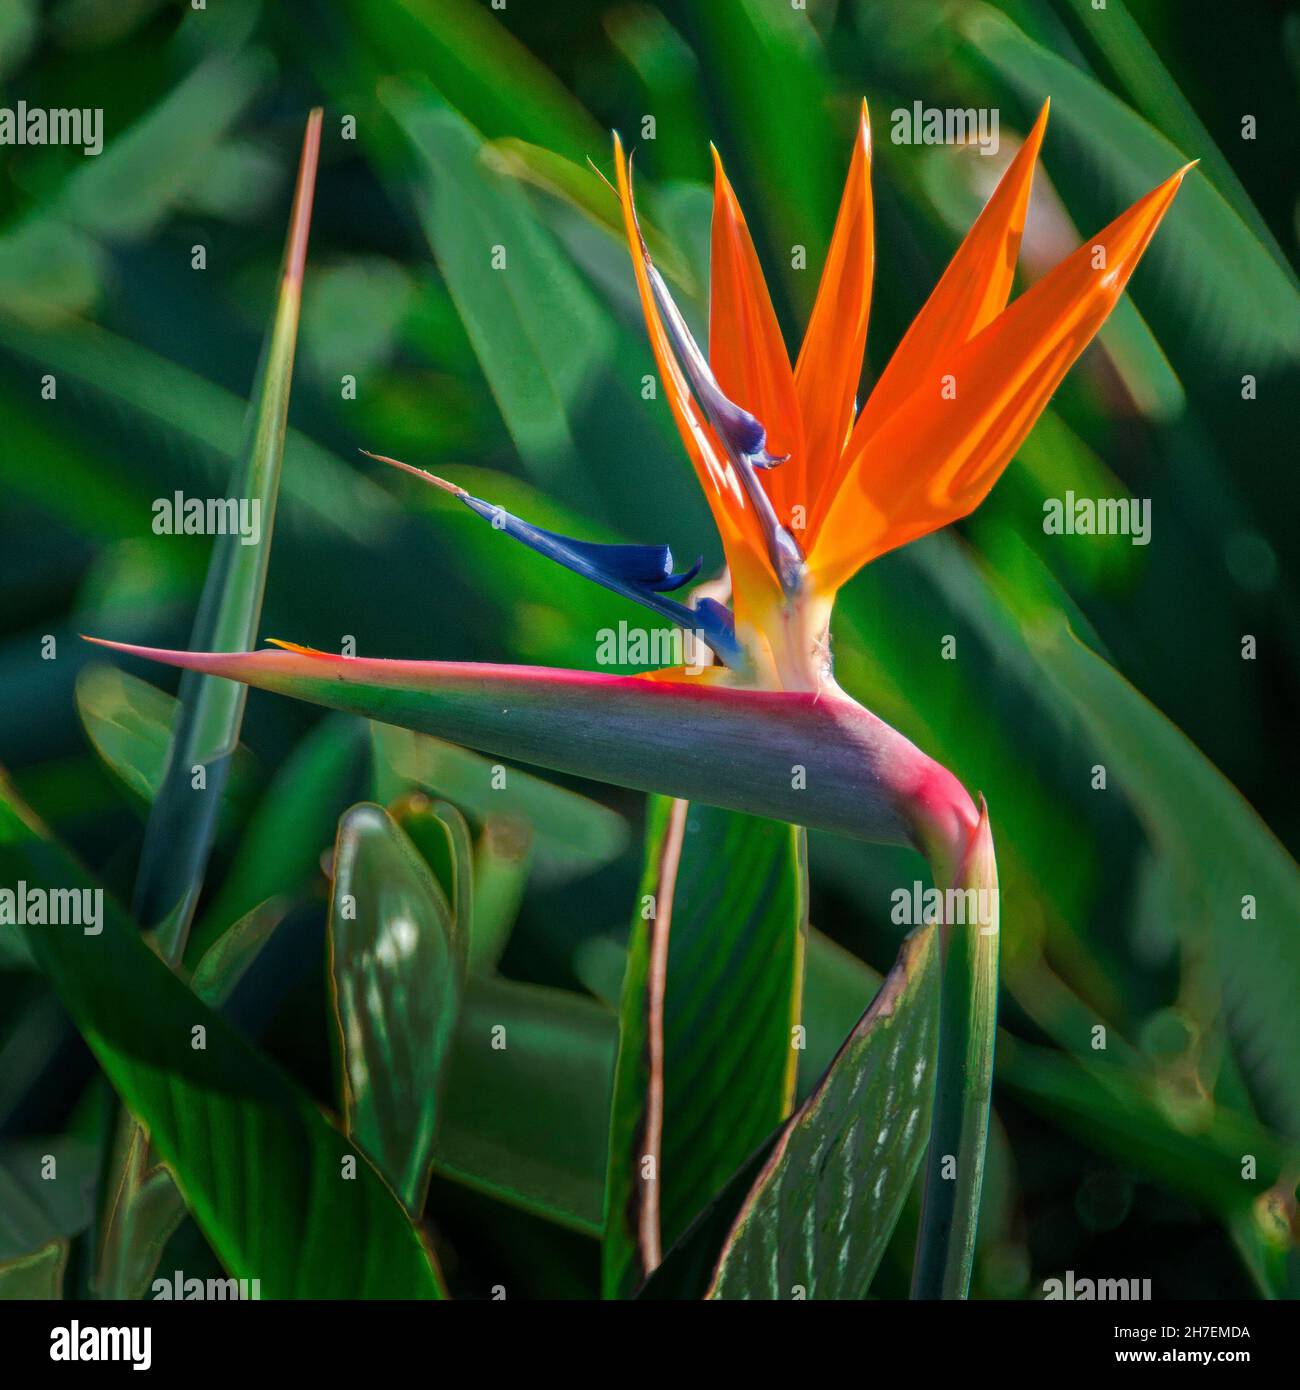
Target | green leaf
(178,837)
(293,1219)
(1224,855)
(786,140)
(203,421)
(687,1269)
(573,182)
(441,834)
(945,1249)
(572,834)
(711,996)
(294,823)
(151,166)
(38,1276)
(1152,88)
(526,1113)
(181,827)
(1215,265)
(39,1202)
(813,1208)
(502,860)
(822,1209)
(231,956)
(483,69)
(1117,1111)
(837,987)
(131,724)
(396,975)
(142,1213)
(535,326)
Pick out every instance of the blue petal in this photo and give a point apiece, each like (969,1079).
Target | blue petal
(643,573)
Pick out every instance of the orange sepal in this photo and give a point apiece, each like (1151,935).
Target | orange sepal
(935,458)
(971,293)
(746,349)
(740,529)
(830,360)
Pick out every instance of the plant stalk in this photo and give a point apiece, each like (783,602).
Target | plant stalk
(954,1177)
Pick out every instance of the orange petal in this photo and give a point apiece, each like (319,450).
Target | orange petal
(739,527)
(830,360)
(746,350)
(935,459)
(972,292)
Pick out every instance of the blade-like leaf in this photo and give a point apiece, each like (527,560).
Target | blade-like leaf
(396,974)
(837,987)
(131,724)
(203,421)
(485,71)
(954,1177)
(525,1117)
(711,997)
(47,1190)
(213,1107)
(571,181)
(502,859)
(810,1213)
(142,1213)
(178,837)
(1220,270)
(441,834)
(1244,885)
(535,326)
(38,1276)
(817,1219)
(573,834)
(295,821)
(1151,86)
(181,828)
(231,956)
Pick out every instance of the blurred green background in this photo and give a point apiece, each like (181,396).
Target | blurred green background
(450,127)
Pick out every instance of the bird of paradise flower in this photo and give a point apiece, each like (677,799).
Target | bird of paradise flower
(805,488)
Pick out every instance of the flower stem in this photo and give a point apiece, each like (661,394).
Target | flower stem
(954,1176)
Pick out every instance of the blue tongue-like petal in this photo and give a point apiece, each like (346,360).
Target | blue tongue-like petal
(643,573)
(638,566)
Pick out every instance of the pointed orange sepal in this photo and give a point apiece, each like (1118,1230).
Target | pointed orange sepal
(741,531)
(972,292)
(746,349)
(830,360)
(936,457)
